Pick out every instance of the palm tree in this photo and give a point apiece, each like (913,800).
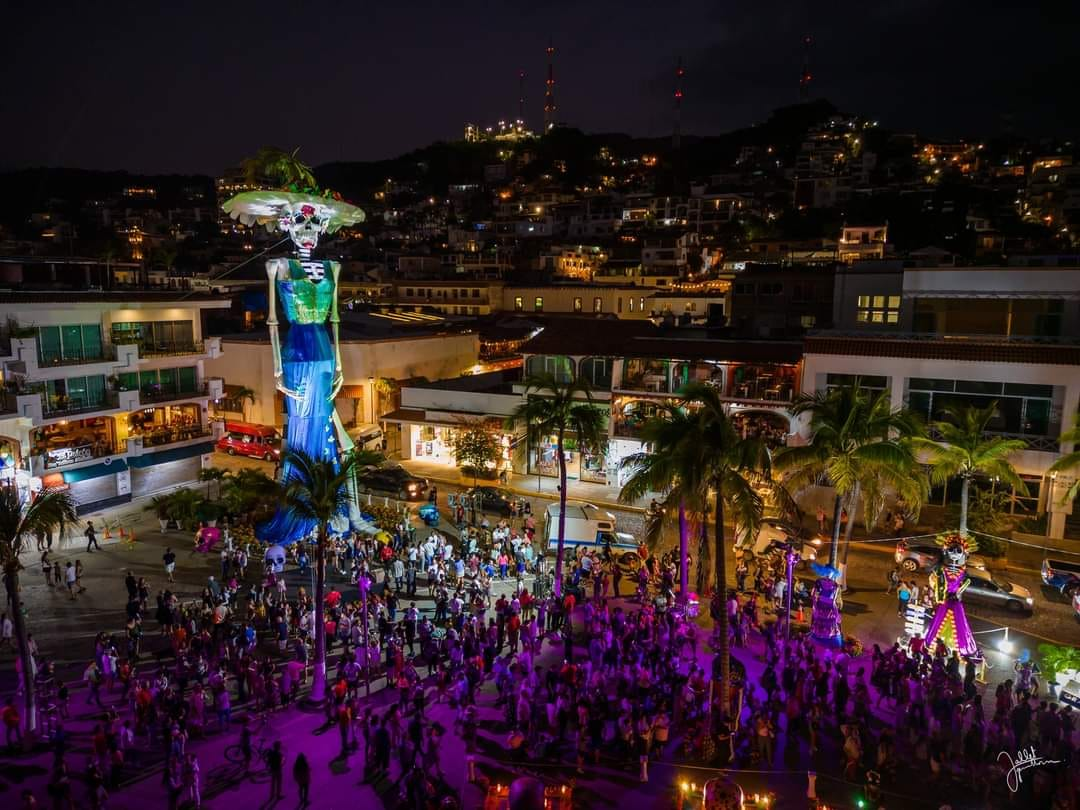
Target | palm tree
(855,437)
(243,394)
(726,465)
(1070,460)
(662,469)
(278,165)
(554,407)
(317,490)
(20,518)
(244,490)
(965,450)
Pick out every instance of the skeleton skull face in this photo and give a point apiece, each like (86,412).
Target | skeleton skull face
(304,225)
(954,555)
(275,559)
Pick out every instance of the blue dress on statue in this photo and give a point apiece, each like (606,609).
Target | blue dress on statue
(308,364)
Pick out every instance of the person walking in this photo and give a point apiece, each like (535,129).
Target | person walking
(191,780)
(169,559)
(91,537)
(47,568)
(903,595)
(302,775)
(821,519)
(69,579)
(275,761)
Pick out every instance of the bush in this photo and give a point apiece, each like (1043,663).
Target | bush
(487,473)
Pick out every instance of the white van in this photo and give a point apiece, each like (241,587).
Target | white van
(588,526)
(367,437)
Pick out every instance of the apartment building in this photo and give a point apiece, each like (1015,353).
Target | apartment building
(634,368)
(106,394)
(955,336)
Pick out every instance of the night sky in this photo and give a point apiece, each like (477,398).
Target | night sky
(194,87)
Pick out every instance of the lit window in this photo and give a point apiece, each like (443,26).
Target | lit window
(631,304)
(878,309)
(597,304)
(577,304)
(519,305)
(538,304)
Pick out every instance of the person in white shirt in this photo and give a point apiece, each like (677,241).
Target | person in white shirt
(7,631)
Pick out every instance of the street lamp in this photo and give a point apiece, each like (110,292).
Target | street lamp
(791,557)
(364,583)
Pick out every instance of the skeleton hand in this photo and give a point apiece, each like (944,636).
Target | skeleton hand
(297,395)
(335,386)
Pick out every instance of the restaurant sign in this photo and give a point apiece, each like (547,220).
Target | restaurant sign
(60,456)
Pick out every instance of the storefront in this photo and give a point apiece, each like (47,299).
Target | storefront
(433,443)
(591,467)
(94,487)
(165,424)
(70,442)
(167,469)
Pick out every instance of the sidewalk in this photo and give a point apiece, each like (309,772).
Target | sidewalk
(527,486)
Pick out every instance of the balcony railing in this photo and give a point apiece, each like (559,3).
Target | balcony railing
(172,349)
(1046,444)
(104,354)
(172,435)
(159,394)
(69,405)
(65,456)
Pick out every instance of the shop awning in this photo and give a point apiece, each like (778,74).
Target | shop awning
(352,392)
(94,471)
(446,419)
(175,454)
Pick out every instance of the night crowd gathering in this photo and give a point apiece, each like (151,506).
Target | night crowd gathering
(617,673)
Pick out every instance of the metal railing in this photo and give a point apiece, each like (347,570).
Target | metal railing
(172,349)
(159,394)
(69,405)
(106,353)
(165,436)
(1048,444)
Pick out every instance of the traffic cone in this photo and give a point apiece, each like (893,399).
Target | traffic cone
(107,535)
(799,615)
(121,532)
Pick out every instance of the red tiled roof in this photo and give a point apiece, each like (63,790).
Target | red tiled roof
(966,350)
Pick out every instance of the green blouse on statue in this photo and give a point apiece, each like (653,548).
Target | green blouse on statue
(306,301)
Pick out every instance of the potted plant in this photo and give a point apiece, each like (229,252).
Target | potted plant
(208,512)
(1059,665)
(159,505)
(182,508)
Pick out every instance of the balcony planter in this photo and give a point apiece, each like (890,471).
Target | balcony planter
(159,504)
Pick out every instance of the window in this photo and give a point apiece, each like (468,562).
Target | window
(618,304)
(631,299)
(476,293)
(70,342)
(577,304)
(641,303)
(538,304)
(519,305)
(408,292)
(691,306)
(807,321)
(878,309)
(597,304)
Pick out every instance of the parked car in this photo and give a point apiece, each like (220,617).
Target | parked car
(1076,603)
(1062,575)
(912,557)
(493,499)
(774,533)
(247,439)
(986,589)
(392,479)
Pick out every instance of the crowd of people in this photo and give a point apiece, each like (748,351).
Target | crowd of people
(592,677)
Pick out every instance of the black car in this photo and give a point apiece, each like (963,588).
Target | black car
(394,480)
(492,499)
